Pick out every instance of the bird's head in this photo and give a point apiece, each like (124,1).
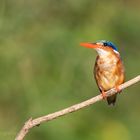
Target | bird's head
(103,47)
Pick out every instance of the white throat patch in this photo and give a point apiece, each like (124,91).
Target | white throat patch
(102,52)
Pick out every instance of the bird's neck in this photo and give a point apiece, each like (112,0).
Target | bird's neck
(105,53)
(108,60)
(102,52)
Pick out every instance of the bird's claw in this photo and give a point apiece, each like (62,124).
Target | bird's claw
(103,95)
(118,90)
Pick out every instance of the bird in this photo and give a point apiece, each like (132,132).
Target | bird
(108,69)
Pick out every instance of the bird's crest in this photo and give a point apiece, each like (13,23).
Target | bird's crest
(108,43)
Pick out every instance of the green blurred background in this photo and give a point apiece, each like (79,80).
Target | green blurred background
(43,69)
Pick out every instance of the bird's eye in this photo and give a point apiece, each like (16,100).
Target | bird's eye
(105,44)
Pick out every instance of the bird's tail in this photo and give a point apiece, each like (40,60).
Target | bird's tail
(112,99)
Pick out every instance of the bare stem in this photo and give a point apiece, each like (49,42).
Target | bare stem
(35,122)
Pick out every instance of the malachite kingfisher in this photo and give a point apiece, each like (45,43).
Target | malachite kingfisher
(108,69)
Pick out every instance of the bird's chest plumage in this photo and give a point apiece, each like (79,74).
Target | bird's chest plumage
(108,72)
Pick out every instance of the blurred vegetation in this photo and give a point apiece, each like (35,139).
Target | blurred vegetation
(43,69)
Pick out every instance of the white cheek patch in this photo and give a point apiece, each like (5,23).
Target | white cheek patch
(116,51)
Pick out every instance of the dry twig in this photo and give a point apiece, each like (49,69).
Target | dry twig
(35,122)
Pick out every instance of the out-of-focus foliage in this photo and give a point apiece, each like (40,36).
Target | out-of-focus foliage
(43,69)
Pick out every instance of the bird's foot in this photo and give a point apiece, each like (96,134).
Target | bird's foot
(103,95)
(118,89)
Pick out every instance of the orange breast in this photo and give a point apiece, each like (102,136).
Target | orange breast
(109,72)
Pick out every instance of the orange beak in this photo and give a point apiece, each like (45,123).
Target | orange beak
(90,45)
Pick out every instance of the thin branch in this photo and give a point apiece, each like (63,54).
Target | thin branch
(35,122)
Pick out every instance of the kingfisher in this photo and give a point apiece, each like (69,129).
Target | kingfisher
(108,68)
